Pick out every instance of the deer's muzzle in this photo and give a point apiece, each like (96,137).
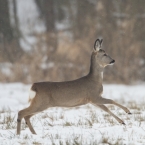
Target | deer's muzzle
(113,61)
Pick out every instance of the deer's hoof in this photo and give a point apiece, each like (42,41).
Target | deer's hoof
(129,113)
(123,123)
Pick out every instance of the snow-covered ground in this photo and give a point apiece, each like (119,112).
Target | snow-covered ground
(85,125)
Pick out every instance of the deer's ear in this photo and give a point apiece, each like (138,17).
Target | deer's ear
(101,42)
(97,45)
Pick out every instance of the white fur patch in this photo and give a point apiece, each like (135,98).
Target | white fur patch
(111,64)
(102,74)
(32,94)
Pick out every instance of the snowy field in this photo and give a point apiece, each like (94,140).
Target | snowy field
(85,125)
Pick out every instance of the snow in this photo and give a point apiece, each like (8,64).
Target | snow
(83,125)
(5,68)
(29,22)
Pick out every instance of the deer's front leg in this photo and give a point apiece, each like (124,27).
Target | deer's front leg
(101,101)
(103,107)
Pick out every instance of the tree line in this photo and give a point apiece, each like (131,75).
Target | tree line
(120,23)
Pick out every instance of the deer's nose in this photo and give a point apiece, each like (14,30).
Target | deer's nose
(113,61)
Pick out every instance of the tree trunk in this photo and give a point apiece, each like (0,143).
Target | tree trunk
(46,8)
(5,26)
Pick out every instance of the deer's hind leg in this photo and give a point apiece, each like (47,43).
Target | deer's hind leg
(37,105)
(21,115)
(27,120)
(26,113)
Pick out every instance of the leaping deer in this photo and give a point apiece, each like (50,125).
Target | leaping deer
(87,89)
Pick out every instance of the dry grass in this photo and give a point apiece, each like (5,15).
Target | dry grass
(7,121)
(71,60)
(50,122)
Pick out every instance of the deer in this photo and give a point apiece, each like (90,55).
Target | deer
(87,89)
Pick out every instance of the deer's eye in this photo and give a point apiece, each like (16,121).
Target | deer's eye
(105,55)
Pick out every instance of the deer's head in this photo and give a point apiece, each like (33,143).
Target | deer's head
(101,56)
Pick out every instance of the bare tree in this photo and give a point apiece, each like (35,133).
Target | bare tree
(9,35)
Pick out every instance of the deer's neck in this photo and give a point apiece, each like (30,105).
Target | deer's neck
(96,71)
